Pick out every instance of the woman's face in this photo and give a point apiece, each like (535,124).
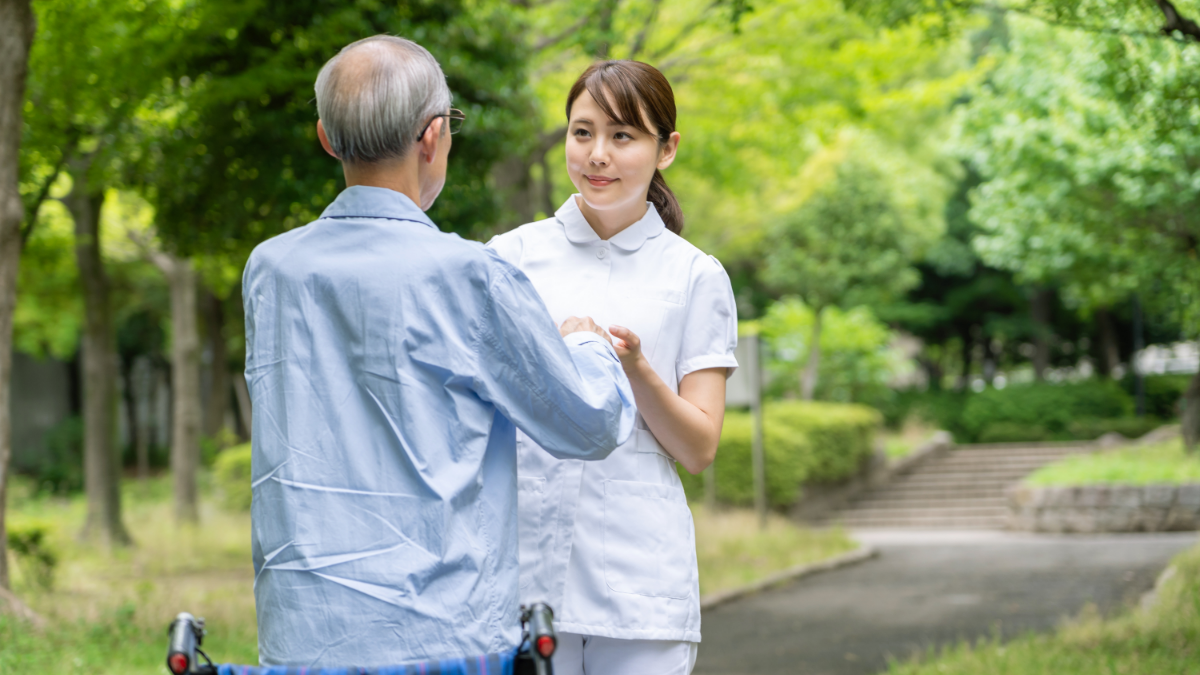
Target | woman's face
(611,164)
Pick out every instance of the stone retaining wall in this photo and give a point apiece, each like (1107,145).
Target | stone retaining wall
(1105,508)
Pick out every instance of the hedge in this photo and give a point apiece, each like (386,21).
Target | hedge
(232,472)
(1043,409)
(803,442)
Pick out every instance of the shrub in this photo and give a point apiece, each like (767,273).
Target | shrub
(231,469)
(1050,406)
(28,543)
(840,436)
(1164,393)
(803,442)
(59,467)
(1129,427)
(1011,432)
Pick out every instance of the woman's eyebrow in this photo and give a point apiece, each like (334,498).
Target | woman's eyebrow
(581,120)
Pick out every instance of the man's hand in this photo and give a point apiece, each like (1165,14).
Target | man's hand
(575,324)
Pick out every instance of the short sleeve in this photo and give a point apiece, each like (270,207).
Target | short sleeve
(710,323)
(508,246)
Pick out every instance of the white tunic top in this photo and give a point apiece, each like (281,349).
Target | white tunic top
(610,545)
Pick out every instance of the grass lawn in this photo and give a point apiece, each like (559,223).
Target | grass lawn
(901,443)
(108,612)
(1139,465)
(1164,640)
(732,551)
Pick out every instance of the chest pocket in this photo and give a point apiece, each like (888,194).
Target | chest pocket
(644,310)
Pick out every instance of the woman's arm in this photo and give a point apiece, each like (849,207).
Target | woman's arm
(687,424)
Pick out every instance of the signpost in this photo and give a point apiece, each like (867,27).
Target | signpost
(745,389)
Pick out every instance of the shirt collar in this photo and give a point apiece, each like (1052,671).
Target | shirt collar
(361,201)
(630,239)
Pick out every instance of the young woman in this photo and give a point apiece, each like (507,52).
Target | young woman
(610,544)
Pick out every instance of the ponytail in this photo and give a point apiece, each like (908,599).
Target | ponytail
(664,200)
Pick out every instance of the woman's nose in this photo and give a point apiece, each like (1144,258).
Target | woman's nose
(599,156)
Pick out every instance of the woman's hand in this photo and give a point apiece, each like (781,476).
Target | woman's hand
(628,346)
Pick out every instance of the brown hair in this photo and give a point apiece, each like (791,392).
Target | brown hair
(638,91)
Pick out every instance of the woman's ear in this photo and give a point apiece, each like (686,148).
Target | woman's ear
(666,156)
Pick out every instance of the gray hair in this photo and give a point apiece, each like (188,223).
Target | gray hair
(376,95)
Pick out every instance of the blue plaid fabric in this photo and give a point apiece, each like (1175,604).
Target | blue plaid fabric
(491,664)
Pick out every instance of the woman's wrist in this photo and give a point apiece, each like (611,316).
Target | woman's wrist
(638,369)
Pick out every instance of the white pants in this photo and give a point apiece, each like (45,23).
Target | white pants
(591,655)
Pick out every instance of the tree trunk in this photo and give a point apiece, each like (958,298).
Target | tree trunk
(16,36)
(1110,355)
(185,382)
(808,381)
(101,469)
(1040,309)
(968,360)
(242,391)
(143,381)
(218,391)
(1191,414)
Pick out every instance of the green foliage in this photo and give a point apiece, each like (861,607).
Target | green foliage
(49,312)
(1139,465)
(1129,427)
(854,237)
(1162,639)
(856,359)
(1050,407)
(803,442)
(1088,147)
(242,162)
(1164,393)
(841,437)
(58,469)
(28,541)
(231,469)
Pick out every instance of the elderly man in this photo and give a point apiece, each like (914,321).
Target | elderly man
(390,365)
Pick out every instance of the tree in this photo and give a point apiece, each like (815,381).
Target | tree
(91,69)
(16,36)
(1091,161)
(853,239)
(1160,19)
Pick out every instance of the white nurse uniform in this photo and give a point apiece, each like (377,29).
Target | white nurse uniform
(610,544)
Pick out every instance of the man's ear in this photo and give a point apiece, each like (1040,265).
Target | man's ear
(428,144)
(667,154)
(325,140)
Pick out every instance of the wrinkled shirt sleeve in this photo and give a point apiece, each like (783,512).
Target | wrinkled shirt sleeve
(570,395)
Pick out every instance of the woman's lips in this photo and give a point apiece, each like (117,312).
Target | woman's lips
(600,181)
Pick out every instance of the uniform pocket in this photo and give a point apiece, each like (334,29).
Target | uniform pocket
(648,548)
(645,440)
(531,497)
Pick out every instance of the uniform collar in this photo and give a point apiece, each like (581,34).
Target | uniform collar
(630,239)
(361,201)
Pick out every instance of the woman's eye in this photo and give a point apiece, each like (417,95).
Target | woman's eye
(582,133)
(622,136)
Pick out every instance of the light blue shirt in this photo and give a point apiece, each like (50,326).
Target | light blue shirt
(390,364)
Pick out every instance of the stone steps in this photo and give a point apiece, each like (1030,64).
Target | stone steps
(962,489)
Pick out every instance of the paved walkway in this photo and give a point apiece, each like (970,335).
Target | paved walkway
(928,589)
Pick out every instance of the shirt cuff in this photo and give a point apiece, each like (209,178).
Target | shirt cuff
(582,337)
(710,361)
